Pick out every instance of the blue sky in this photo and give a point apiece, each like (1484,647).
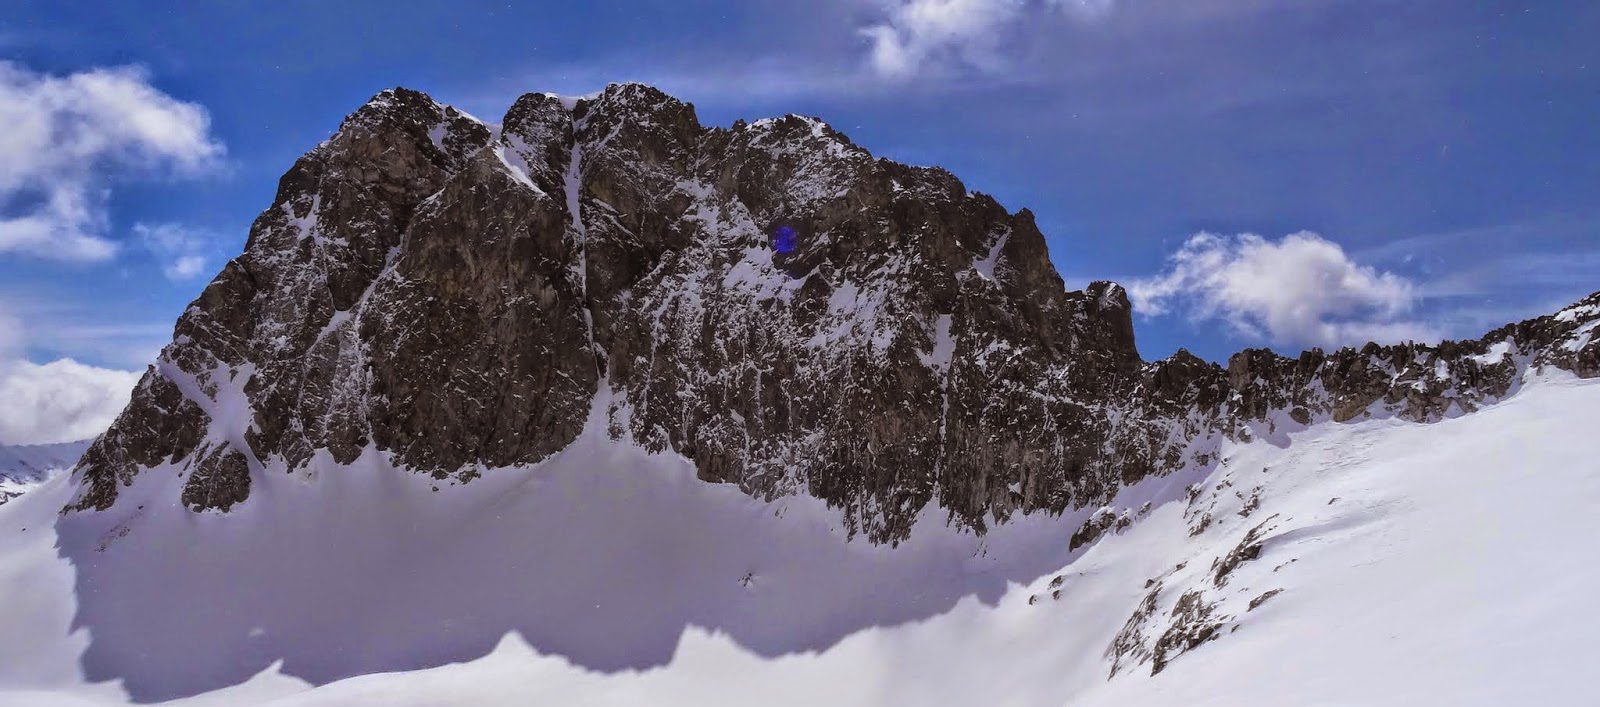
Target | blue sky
(1445,153)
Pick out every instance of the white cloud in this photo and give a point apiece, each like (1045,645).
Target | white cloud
(65,135)
(1302,290)
(60,401)
(916,36)
(185,267)
(179,247)
(918,32)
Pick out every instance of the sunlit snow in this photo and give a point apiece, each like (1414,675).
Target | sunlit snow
(1417,564)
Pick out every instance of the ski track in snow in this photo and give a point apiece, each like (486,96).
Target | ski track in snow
(1419,564)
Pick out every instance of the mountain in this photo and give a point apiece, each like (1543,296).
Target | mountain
(23,466)
(692,408)
(767,300)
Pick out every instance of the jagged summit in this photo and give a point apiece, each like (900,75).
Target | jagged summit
(768,300)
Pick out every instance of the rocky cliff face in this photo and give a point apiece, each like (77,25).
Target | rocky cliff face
(768,300)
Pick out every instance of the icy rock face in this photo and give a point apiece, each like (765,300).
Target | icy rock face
(460,295)
(915,342)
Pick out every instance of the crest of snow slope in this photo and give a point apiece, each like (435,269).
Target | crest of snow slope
(1439,564)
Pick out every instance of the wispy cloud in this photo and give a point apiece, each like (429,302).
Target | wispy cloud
(1084,9)
(915,37)
(918,34)
(886,47)
(64,140)
(180,248)
(43,328)
(1555,251)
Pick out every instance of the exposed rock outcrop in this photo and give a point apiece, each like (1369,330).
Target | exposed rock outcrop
(460,295)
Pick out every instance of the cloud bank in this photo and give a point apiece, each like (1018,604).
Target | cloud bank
(60,401)
(1302,290)
(65,137)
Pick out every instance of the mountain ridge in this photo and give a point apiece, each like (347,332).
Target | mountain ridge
(422,286)
(23,466)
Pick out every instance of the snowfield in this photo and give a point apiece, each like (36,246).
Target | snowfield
(1381,562)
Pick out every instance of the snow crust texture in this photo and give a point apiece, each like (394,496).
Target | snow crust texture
(455,294)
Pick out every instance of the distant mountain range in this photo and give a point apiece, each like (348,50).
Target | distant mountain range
(25,465)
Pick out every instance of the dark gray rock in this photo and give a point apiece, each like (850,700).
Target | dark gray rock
(460,296)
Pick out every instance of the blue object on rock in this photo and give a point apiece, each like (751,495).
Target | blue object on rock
(784,239)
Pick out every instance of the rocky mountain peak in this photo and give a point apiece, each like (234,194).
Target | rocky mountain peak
(768,300)
(635,103)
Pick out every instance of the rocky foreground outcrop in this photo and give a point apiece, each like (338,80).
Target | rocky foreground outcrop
(768,300)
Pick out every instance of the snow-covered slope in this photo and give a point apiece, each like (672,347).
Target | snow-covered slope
(1445,563)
